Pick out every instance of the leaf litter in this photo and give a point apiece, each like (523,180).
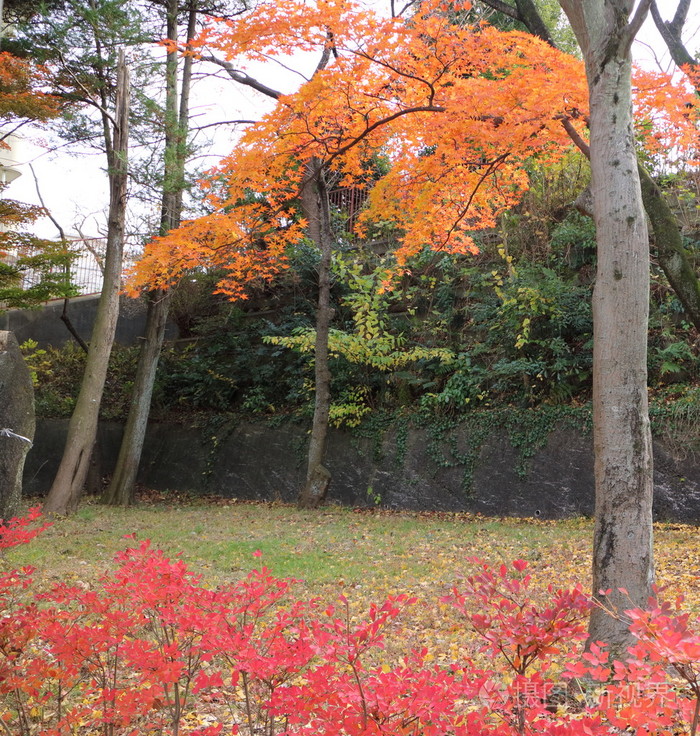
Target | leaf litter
(363,555)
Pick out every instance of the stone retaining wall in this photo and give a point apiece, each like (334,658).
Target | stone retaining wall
(257,462)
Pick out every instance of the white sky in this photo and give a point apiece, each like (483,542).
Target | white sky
(74,188)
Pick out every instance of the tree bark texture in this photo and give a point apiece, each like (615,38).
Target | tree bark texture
(16,423)
(622,546)
(318,478)
(65,492)
(121,489)
(529,15)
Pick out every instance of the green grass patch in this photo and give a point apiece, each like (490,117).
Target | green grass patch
(333,549)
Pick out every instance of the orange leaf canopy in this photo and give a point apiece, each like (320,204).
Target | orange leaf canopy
(667,112)
(457,110)
(21,91)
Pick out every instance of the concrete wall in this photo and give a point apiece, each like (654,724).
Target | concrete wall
(44,325)
(257,462)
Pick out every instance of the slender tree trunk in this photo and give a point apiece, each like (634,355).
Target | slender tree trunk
(317,475)
(622,546)
(671,33)
(672,255)
(527,10)
(669,247)
(121,490)
(64,496)
(668,241)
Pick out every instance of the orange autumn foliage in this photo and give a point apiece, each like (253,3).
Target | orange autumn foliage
(21,93)
(22,100)
(457,110)
(667,110)
(504,97)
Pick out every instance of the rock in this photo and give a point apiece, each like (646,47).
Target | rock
(16,422)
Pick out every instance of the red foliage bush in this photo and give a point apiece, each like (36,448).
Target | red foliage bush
(149,650)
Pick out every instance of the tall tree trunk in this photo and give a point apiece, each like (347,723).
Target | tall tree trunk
(65,492)
(318,477)
(622,546)
(121,490)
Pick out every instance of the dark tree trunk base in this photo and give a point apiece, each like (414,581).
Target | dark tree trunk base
(316,488)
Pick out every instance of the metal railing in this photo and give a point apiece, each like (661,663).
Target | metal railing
(348,201)
(87,266)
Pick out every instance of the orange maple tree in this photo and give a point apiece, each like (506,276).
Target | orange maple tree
(457,110)
(23,95)
(667,111)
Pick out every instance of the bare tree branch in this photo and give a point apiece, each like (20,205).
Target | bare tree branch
(504,8)
(404,9)
(378,123)
(491,167)
(242,78)
(636,23)
(530,16)
(576,137)
(671,33)
(7,133)
(326,55)
(679,18)
(64,314)
(224,122)
(61,231)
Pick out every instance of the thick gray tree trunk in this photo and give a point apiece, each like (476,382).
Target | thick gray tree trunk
(622,547)
(16,423)
(64,495)
(318,477)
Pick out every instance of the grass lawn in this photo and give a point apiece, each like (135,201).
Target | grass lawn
(331,548)
(364,555)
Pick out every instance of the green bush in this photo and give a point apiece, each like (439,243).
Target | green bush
(58,372)
(518,324)
(227,367)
